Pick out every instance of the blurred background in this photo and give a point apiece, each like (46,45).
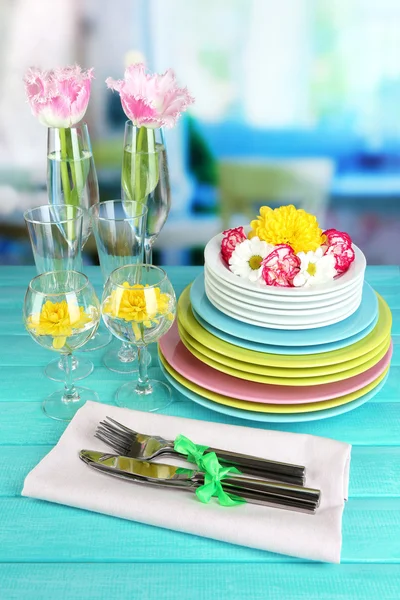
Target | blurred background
(297,101)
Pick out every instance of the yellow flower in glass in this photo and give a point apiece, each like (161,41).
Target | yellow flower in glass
(139,304)
(288,225)
(58,320)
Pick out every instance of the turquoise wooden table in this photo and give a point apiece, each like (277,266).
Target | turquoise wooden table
(55,552)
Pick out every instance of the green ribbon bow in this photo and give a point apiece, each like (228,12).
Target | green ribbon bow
(194,452)
(213,472)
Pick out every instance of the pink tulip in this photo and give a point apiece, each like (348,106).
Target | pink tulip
(151,100)
(59,98)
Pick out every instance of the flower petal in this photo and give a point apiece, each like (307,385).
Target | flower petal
(59,342)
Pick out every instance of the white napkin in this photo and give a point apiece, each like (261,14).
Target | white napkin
(63,478)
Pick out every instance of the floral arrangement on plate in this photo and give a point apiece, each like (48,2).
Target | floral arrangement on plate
(286,247)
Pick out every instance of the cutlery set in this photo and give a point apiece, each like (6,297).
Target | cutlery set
(261,481)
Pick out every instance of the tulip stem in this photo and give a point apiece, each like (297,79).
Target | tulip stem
(64,166)
(141,149)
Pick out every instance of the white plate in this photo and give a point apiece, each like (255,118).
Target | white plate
(283,302)
(275,305)
(213,260)
(245,319)
(242,307)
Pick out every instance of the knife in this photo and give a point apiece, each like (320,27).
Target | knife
(255,491)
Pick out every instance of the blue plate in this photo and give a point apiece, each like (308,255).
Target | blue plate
(271,417)
(295,350)
(354,325)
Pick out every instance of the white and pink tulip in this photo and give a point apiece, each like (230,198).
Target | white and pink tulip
(59,97)
(150,101)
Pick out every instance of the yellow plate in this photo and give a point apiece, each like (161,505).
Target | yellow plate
(269,408)
(371,341)
(227,361)
(298,381)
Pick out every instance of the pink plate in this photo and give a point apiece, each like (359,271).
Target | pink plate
(190,367)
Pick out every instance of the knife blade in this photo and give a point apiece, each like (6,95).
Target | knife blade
(159,474)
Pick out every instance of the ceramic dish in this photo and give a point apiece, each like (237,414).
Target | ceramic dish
(279,303)
(358,321)
(187,365)
(274,371)
(213,260)
(374,338)
(290,350)
(263,318)
(307,378)
(274,408)
(271,417)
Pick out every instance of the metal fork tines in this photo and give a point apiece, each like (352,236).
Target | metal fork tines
(128,442)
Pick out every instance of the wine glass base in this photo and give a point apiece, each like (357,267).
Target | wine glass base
(81,369)
(127,397)
(112,361)
(55,408)
(99,340)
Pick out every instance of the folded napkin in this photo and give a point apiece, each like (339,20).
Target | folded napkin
(63,478)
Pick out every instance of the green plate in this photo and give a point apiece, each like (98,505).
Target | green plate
(305,379)
(246,367)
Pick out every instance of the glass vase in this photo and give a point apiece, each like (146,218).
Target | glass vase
(145,178)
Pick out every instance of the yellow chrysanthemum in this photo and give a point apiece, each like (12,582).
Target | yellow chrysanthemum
(288,225)
(139,304)
(58,319)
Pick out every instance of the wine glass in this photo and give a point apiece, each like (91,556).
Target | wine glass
(56,237)
(72,179)
(118,227)
(145,178)
(138,306)
(62,313)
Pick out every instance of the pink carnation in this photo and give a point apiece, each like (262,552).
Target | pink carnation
(232,238)
(280,266)
(339,244)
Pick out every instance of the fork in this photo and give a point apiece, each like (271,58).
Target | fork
(137,445)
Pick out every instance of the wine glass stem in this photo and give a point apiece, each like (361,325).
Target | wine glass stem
(70,391)
(74,362)
(148,253)
(143,385)
(126,353)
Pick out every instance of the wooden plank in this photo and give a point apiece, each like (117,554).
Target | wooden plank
(374,469)
(36,531)
(199,581)
(23,423)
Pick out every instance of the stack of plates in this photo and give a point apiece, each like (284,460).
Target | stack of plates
(278,372)
(279,307)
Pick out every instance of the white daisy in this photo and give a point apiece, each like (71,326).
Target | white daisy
(247,257)
(315,269)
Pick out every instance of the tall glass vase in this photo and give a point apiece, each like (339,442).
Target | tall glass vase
(145,178)
(72,179)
